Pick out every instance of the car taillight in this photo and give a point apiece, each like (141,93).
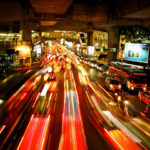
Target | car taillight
(119,99)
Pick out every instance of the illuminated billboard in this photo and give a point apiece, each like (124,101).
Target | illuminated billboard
(91,50)
(136,52)
(24,51)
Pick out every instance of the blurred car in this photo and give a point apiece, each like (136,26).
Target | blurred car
(105,71)
(86,60)
(130,110)
(52,76)
(105,68)
(81,59)
(144,97)
(112,84)
(100,67)
(50,69)
(93,63)
(67,66)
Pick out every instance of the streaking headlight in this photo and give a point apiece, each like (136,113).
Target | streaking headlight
(111,85)
(126,102)
(119,99)
(119,86)
(132,88)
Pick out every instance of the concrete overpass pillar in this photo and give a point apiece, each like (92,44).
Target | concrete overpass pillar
(26,27)
(113,43)
(40,33)
(91,38)
(26,45)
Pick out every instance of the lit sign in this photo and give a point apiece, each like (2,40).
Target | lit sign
(91,50)
(136,52)
(37,48)
(78,47)
(70,44)
(24,51)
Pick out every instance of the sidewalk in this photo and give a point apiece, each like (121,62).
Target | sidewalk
(34,65)
(6,72)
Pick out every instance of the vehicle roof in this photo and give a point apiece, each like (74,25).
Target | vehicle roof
(111,78)
(100,64)
(126,67)
(93,61)
(146,92)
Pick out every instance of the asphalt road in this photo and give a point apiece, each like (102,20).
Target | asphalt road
(21,112)
(55,114)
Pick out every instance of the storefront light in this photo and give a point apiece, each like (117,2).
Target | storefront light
(111,85)
(24,51)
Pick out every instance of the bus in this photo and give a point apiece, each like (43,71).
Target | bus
(133,78)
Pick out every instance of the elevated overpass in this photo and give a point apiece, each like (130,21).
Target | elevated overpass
(73,15)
